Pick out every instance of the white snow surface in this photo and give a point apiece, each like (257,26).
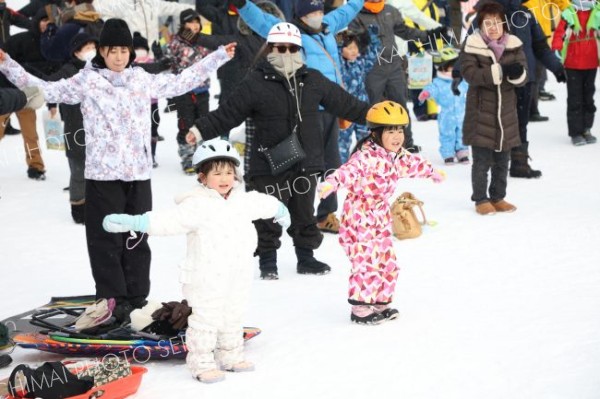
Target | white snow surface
(503,306)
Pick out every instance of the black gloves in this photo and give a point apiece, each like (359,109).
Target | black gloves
(434,34)
(188,36)
(561,76)
(157,50)
(237,3)
(513,71)
(456,79)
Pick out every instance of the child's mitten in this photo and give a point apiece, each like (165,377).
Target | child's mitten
(423,96)
(283,216)
(325,189)
(121,223)
(438,176)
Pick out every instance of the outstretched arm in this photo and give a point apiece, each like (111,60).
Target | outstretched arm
(259,21)
(67,91)
(345,175)
(170,85)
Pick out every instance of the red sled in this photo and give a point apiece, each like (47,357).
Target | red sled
(118,389)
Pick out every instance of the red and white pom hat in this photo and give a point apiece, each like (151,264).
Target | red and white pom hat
(284,32)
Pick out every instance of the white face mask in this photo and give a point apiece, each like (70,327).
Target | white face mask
(314,22)
(141,53)
(87,56)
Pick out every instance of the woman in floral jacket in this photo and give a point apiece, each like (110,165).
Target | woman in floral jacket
(115,104)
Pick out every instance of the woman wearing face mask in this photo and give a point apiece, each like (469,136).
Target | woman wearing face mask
(82,49)
(281,95)
(318,32)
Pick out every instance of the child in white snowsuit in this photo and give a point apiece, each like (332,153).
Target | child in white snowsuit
(370,176)
(216,277)
(451,117)
(115,104)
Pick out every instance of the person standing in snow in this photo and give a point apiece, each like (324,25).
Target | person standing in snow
(371,176)
(115,104)
(451,117)
(354,67)
(319,46)
(493,63)
(185,50)
(284,98)
(83,48)
(216,279)
(576,38)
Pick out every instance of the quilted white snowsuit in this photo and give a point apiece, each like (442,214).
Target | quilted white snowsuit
(217,271)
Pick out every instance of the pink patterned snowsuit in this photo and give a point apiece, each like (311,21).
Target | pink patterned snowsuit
(370,176)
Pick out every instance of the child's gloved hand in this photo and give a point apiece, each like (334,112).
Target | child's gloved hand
(373,29)
(283,216)
(423,96)
(438,176)
(121,223)
(325,189)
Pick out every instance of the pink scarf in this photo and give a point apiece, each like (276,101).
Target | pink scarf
(497,46)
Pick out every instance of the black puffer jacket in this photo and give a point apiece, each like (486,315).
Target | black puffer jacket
(266,96)
(71,114)
(25,48)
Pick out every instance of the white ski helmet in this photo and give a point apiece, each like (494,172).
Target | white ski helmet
(213,149)
(284,32)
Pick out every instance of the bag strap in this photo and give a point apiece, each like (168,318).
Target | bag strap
(413,202)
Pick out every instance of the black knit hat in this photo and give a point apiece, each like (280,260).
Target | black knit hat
(140,41)
(115,33)
(305,7)
(80,40)
(188,16)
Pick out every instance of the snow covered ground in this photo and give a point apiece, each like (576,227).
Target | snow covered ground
(505,306)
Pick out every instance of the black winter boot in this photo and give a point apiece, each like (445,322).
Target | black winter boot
(78,211)
(519,163)
(307,264)
(268,265)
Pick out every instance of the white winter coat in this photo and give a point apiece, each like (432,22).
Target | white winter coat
(140,15)
(221,240)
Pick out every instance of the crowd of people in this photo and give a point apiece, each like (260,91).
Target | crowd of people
(322,90)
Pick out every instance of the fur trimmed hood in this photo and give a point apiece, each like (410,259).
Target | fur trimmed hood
(474,44)
(267,7)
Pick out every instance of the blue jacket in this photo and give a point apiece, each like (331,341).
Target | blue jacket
(315,46)
(453,107)
(354,73)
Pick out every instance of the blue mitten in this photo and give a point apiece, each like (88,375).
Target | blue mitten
(121,223)
(283,216)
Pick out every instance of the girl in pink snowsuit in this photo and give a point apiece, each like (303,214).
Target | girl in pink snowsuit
(370,176)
